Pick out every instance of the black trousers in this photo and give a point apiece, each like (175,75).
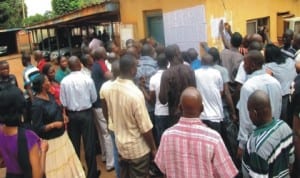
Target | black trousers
(81,123)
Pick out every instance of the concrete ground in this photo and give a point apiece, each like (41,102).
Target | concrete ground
(16,68)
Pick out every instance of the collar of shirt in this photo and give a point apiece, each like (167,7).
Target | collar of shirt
(122,80)
(189,121)
(258,130)
(256,73)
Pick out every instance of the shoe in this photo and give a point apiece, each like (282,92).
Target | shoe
(110,169)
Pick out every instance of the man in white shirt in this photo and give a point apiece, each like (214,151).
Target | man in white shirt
(77,94)
(210,84)
(258,79)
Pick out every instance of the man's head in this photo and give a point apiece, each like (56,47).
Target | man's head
(254,45)
(207,60)
(129,43)
(287,38)
(162,61)
(133,51)
(99,53)
(115,68)
(74,63)
(253,61)
(191,103)
(128,66)
(87,61)
(192,53)
(236,39)
(214,52)
(147,50)
(26,59)
(4,69)
(38,55)
(259,108)
(296,41)
(172,54)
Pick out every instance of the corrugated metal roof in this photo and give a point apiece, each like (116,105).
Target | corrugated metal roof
(107,10)
(9,30)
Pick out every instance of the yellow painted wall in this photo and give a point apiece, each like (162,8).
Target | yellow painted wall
(132,10)
(237,12)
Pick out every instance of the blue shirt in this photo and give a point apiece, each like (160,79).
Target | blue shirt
(196,64)
(258,80)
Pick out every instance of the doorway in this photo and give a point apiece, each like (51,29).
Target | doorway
(155,25)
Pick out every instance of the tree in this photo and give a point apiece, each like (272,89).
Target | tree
(11,14)
(64,6)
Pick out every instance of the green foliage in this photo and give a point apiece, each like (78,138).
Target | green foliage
(64,6)
(11,13)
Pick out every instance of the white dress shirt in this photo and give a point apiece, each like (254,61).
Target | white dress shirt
(77,91)
(258,80)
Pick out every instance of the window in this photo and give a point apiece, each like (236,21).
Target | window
(256,25)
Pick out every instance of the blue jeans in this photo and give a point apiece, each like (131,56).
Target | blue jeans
(161,124)
(116,155)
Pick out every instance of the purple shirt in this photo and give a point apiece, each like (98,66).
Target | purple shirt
(9,151)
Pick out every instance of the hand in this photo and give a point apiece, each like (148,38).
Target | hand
(44,146)
(228,28)
(239,154)
(66,119)
(221,26)
(57,124)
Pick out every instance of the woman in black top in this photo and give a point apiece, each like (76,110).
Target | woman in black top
(49,122)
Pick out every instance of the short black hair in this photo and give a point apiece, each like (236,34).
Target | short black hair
(215,54)
(162,61)
(11,106)
(127,61)
(273,54)
(147,50)
(37,83)
(236,39)
(46,68)
(254,45)
(171,52)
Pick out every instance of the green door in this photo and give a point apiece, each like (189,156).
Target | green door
(156,28)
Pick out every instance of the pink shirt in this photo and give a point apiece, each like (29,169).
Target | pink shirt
(191,149)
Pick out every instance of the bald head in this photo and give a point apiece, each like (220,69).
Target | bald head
(207,60)
(259,107)
(74,63)
(99,53)
(191,103)
(256,37)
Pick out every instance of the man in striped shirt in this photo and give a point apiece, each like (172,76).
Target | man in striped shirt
(191,149)
(269,151)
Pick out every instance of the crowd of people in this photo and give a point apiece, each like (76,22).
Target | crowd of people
(155,110)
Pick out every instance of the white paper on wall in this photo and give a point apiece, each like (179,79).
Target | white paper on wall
(185,27)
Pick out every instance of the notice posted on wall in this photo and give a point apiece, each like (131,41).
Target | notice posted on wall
(185,27)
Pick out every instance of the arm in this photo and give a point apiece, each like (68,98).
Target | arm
(104,109)
(37,160)
(221,31)
(29,91)
(148,137)
(108,75)
(296,129)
